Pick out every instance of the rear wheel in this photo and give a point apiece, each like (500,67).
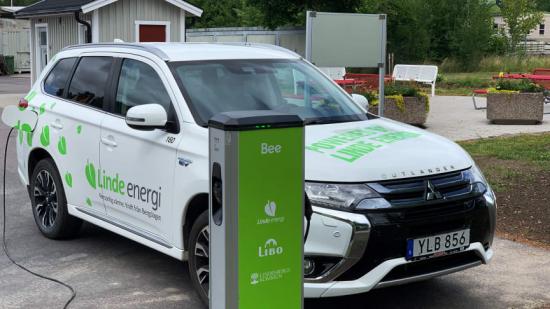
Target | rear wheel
(199,267)
(49,204)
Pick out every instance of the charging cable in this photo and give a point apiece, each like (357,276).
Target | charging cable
(5,247)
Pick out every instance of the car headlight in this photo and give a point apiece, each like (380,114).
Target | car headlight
(478,181)
(344,196)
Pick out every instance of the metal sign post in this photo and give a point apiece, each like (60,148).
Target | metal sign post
(256,210)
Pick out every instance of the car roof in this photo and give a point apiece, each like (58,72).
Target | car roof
(174,52)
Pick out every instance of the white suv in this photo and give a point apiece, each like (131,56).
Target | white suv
(122,142)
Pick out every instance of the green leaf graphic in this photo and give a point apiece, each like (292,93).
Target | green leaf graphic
(69,179)
(62,145)
(26,128)
(89,201)
(18,125)
(45,136)
(53,105)
(29,138)
(30,96)
(79,129)
(42,109)
(90,174)
(20,137)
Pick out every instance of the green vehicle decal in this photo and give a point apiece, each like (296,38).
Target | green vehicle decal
(30,135)
(42,109)
(69,179)
(62,145)
(20,137)
(53,105)
(88,202)
(354,144)
(45,136)
(79,129)
(90,175)
(30,96)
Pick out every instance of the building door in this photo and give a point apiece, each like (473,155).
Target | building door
(42,47)
(153,33)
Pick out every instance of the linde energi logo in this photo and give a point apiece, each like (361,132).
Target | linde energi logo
(270,248)
(270,210)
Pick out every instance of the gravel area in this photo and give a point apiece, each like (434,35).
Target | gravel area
(456,119)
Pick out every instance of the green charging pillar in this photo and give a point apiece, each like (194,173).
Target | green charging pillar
(256,210)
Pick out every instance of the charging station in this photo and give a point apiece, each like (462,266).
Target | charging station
(256,210)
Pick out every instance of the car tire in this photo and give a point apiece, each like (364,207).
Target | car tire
(199,256)
(49,204)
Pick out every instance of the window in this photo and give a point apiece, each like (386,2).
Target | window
(542,28)
(139,84)
(57,79)
(287,86)
(90,81)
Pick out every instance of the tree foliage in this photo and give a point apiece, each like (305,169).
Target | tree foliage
(275,13)
(521,16)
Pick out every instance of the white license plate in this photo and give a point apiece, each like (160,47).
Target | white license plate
(438,244)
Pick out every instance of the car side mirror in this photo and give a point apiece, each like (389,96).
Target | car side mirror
(361,100)
(147,117)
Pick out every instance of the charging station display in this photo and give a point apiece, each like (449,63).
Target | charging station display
(257,210)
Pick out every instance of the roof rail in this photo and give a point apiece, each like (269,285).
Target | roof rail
(143,47)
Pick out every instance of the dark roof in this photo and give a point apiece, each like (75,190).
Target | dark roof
(47,7)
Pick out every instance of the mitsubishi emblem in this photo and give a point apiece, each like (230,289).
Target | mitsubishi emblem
(431,192)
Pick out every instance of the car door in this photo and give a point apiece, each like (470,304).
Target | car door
(137,166)
(74,112)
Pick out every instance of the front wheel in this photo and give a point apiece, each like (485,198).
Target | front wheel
(199,267)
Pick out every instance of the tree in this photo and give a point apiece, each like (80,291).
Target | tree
(275,13)
(521,16)
(543,5)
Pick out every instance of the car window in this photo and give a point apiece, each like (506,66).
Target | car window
(57,79)
(90,79)
(140,84)
(287,86)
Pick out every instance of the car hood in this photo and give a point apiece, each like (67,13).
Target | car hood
(376,150)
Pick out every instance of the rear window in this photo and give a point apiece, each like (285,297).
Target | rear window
(57,79)
(89,82)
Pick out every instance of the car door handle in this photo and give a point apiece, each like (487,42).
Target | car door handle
(108,142)
(57,125)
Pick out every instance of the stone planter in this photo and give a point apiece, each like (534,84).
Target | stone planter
(415,110)
(515,108)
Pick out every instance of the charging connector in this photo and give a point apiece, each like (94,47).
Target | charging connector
(4,244)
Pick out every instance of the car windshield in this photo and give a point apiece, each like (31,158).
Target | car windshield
(287,86)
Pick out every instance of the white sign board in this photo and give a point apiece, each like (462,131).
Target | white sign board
(346,40)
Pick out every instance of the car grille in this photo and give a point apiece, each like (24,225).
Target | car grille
(411,216)
(410,192)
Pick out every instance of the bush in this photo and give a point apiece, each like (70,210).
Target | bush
(523,85)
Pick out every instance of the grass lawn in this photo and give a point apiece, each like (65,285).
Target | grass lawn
(518,169)
(463,83)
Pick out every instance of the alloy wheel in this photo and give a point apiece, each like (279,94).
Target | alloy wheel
(45,197)
(201,259)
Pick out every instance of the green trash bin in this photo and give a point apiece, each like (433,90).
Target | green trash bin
(10,64)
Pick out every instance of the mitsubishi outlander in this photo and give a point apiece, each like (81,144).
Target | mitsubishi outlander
(122,142)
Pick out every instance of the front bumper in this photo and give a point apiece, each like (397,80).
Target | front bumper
(371,247)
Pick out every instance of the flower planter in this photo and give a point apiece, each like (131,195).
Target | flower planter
(412,110)
(515,108)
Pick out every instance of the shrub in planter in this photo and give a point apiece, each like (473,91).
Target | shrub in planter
(403,103)
(515,102)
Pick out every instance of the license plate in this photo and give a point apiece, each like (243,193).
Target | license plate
(438,245)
